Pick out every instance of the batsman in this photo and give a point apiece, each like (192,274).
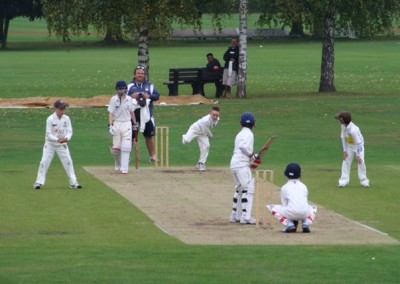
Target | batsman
(242,162)
(121,112)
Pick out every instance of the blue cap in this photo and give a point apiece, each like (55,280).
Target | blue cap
(293,171)
(247,119)
(60,104)
(121,84)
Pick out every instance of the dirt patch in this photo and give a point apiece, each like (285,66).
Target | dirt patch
(194,207)
(98,101)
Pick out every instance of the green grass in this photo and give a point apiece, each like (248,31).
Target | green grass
(93,235)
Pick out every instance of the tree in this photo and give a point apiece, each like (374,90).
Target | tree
(365,17)
(328,50)
(242,76)
(142,19)
(12,9)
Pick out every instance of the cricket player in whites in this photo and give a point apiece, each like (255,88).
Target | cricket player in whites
(243,160)
(58,134)
(353,146)
(294,199)
(121,111)
(201,131)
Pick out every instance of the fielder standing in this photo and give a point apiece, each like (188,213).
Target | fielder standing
(201,131)
(353,146)
(294,199)
(149,92)
(121,112)
(58,134)
(243,160)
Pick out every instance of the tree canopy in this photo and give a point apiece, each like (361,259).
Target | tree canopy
(325,17)
(11,9)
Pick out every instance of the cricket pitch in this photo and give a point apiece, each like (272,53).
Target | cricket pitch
(194,207)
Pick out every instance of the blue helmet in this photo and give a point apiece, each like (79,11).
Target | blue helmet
(293,171)
(247,119)
(121,84)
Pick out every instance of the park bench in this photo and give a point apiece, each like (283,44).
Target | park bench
(196,77)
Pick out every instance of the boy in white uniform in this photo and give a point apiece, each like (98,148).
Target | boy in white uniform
(294,199)
(353,146)
(121,111)
(58,134)
(201,130)
(243,160)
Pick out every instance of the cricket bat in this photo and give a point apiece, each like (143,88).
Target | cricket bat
(137,152)
(266,146)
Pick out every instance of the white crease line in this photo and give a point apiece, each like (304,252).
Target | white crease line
(393,167)
(372,229)
(164,230)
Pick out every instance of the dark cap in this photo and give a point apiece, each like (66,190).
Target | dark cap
(344,116)
(60,104)
(293,171)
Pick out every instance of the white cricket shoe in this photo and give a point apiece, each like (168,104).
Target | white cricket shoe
(153,160)
(251,221)
(201,167)
(37,186)
(75,186)
(233,219)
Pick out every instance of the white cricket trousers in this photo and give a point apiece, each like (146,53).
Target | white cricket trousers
(244,193)
(204,143)
(122,140)
(346,168)
(63,154)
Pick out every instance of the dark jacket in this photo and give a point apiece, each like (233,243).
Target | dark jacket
(232,52)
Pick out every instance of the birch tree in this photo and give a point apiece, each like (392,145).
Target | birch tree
(242,72)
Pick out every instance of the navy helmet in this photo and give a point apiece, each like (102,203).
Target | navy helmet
(293,171)
(120,85)
(247,119)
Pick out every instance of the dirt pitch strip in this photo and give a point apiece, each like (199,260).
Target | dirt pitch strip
(98,101)
(194,207)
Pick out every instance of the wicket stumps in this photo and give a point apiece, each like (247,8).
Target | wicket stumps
(265,188)
(161,146)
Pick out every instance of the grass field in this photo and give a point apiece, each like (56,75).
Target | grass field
(95,236)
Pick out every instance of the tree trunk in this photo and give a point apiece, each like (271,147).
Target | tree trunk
(242,72)
(297,29)
(1,30)
(4,32)
(112,38)
(143,50)
(327,79)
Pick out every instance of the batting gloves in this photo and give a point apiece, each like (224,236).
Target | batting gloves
(255,163)
(111,129)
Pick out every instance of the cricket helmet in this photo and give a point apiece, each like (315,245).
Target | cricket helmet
(247,119)
(344,117)
(293,171)
(121,84)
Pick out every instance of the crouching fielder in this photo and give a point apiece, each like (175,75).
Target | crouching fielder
(121,111)
(241,162)
(294,198)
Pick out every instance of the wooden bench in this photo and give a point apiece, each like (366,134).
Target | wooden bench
(196,77)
